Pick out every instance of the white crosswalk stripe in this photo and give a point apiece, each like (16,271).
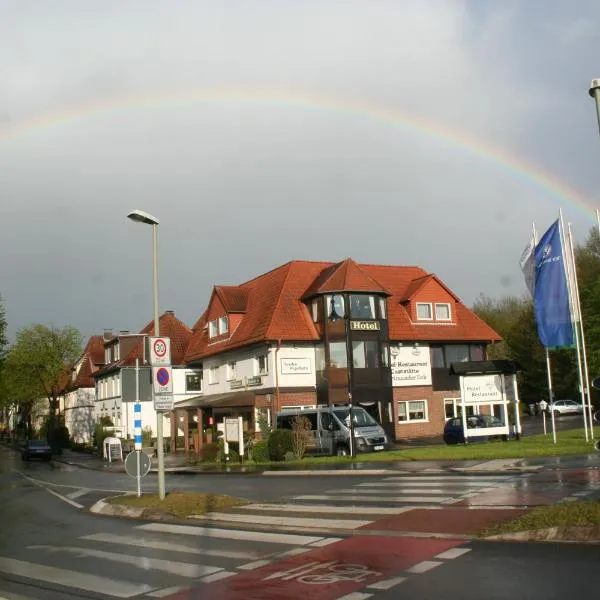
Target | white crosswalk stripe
(161,558)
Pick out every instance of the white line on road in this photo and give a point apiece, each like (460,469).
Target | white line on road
(430,484)
(457,478)
(59,496)
(283,520)
(155,564)
(424,566)
(232,534)
(254,565)
(327,508)
(165,592)
(453,553)
(126,540)
(73,579)
(386,584)
(359,498)
(77,493)
(217,576)
(393,492)
(355,596)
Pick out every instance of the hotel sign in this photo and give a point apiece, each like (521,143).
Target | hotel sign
(411,365)
(365,325)
(295,366)
(482,388)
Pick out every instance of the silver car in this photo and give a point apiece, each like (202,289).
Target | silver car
(566,407)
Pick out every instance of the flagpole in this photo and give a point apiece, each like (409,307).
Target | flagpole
(548,367)
(580,314)
(576,329)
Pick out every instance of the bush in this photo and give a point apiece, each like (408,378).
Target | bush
(280,442)
(260,451)
(147,437)
(290,456)
(99,436)
(301,435)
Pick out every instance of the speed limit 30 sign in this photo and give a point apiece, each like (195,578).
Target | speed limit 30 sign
(159,351)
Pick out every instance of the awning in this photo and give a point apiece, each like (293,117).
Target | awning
(226,400)
(481,367)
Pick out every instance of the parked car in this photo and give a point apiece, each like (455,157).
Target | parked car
(454,434)
(565,407)
(36,449)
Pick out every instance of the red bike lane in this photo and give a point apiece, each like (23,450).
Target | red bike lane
(330,572)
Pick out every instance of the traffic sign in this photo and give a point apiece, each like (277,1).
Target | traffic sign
(133,468)
(159,351)
(162,378)
(163,403)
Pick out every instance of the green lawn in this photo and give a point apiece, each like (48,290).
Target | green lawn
(584,512)
(567,442)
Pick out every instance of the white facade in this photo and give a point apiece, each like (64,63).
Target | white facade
(78,411)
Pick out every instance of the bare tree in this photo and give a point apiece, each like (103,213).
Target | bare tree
(301,435)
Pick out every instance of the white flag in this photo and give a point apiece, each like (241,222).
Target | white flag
(527,263)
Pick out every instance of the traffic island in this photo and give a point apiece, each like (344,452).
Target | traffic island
(176,505)
(577,521)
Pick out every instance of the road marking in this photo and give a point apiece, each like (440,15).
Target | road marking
(166,592)
(109,538)
(327,508)
(459,478)
(355,596)
(254,565)
(73,579)
(59,496)
(393,492)
(429,484)
(386,584)
(283,521)
(329,472)
(155,564)
(453,553)
(359,498)
(232,534)
(424,566)
(217,576)
(77,493)
(325,542)
(294,552)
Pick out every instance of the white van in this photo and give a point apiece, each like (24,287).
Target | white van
(330,427)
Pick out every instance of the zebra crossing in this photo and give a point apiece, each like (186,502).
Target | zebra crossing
(359,505)
(152,560)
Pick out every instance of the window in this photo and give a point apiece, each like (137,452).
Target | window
(231,366)
(364,355)
(335,307)
(456,353)
(424,311)
(315,310)
(412,410)
(382,309)
(437,357)
(193,382)
(212,329)
(385,355)
(362,306)
(223,325)
(443,356)
(337,355)
(450,407)
(442,312)
(262,366)
(213,375)
(262,416)
(477,352)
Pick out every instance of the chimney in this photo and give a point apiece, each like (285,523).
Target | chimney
(124,332)
(170,312)
(107,334)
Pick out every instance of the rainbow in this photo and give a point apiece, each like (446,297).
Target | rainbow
(532,174)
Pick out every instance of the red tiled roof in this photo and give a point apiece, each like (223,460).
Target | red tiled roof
(234,298)
(420,282)
(91,361)
(344,276)
(275,310)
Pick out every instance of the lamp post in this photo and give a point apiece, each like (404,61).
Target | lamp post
(143,217)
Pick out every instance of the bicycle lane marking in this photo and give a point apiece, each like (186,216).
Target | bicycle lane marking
(326,573)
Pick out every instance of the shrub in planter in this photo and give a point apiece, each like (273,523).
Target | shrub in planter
(260,451)
(280,442)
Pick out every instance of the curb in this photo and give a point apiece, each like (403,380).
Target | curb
(574,534)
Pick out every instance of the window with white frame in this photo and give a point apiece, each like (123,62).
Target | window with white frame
(315,310)
(261,416)
(411,411)
(223,325)
(424,311)
(193,382)
(450,407)
(262,365)
(213,329)
(231,370)
(442,311)
(382,308)
(213,375)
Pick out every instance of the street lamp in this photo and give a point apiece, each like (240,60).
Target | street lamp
(595,94)
(143,217)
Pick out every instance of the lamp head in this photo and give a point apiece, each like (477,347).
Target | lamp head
(142,217)
(594,85)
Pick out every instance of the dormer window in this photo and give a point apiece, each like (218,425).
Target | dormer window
(223,325)
(213,329)
(442,311)
(424,311)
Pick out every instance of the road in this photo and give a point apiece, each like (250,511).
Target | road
(329,537)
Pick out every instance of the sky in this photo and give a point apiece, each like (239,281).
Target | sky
(429,133)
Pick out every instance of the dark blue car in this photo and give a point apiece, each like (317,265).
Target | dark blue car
(453,431)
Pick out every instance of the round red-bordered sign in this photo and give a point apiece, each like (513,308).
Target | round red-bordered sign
(162,376)
(160,348)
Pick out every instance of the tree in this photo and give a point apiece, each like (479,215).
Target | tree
(3,345)
(38,366)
